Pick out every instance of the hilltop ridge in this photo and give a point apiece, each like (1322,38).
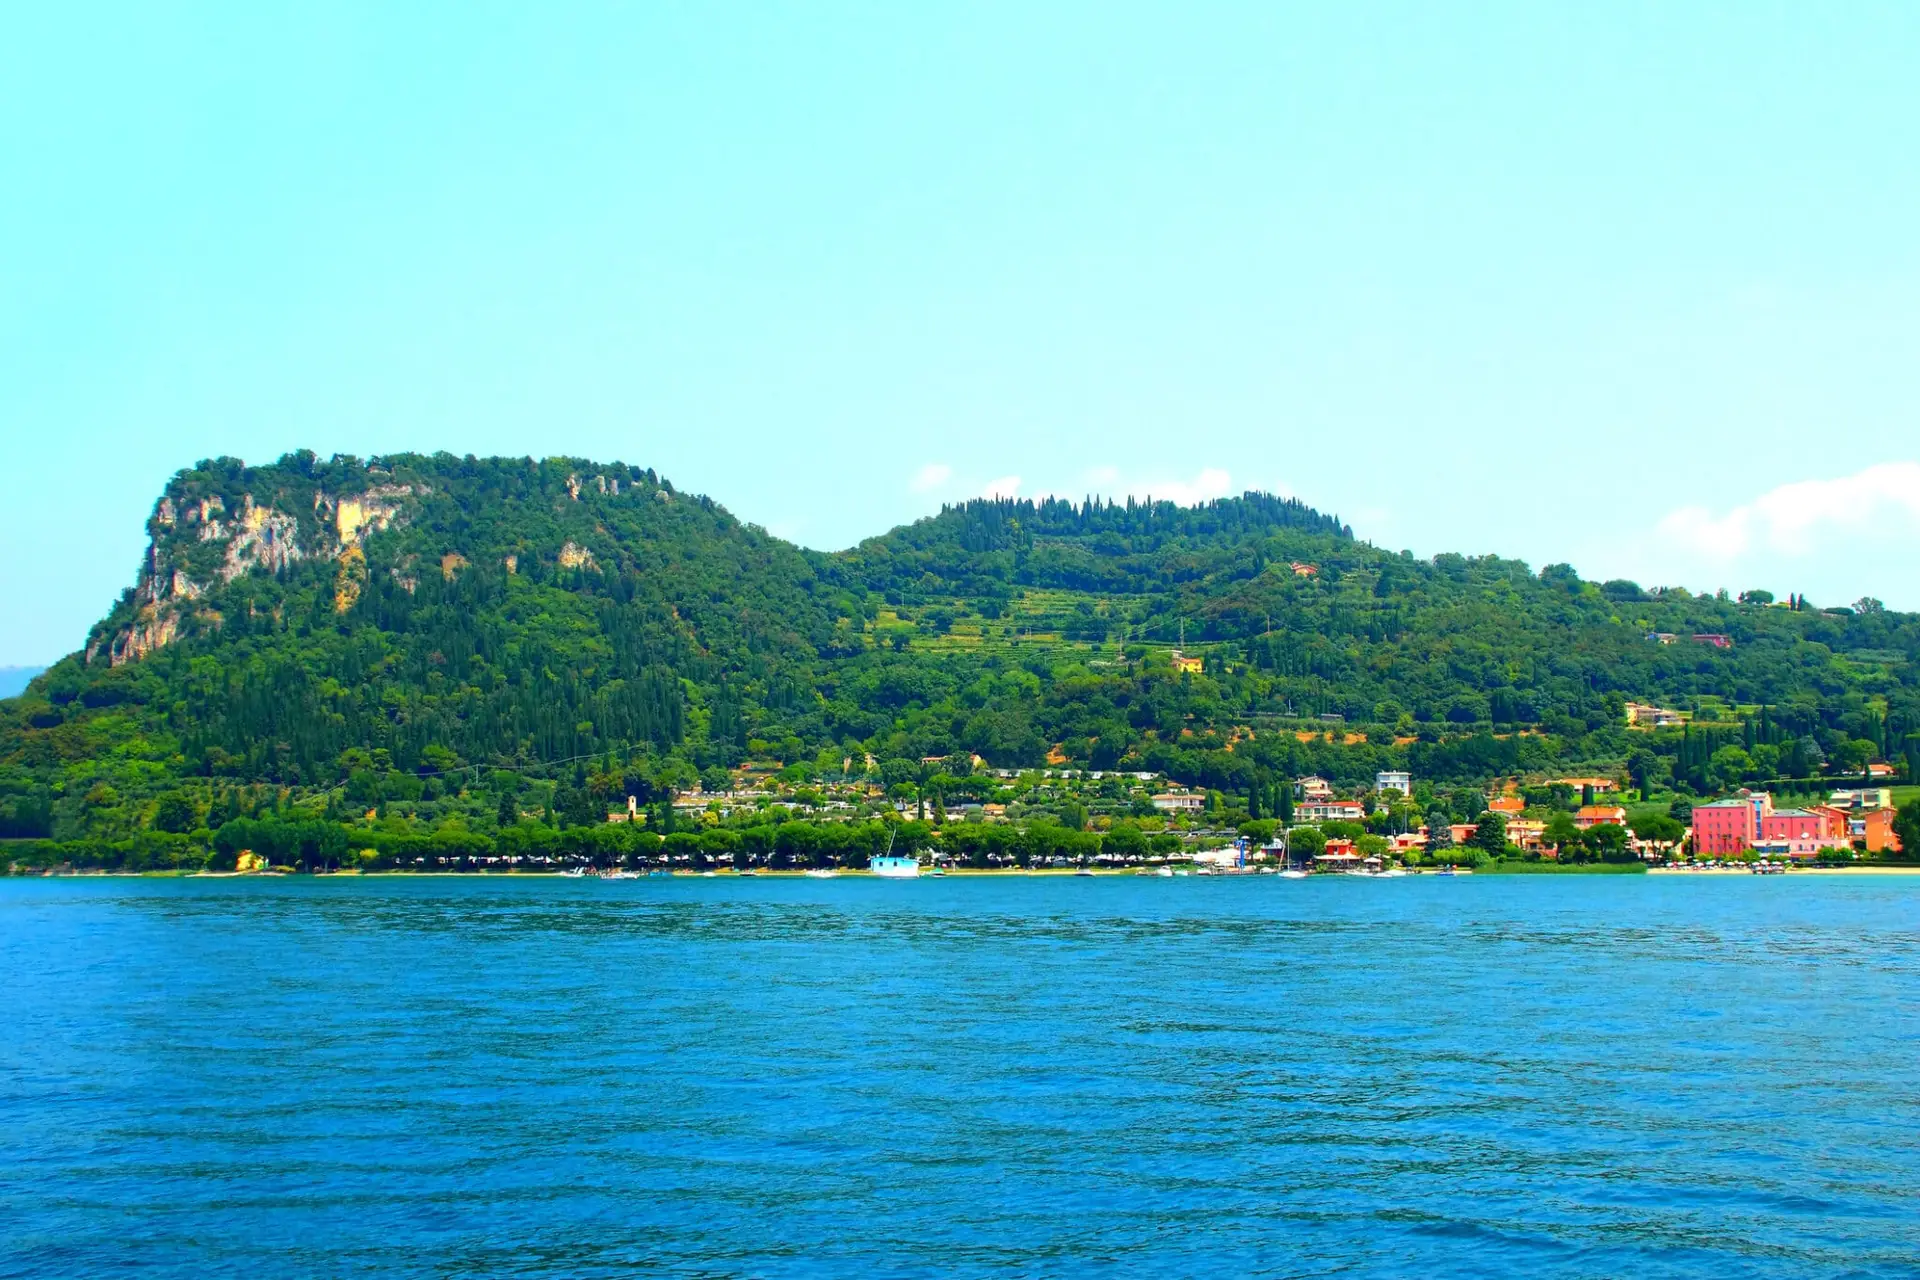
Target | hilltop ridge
(297,622)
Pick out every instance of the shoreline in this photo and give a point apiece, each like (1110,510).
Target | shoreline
(800,874)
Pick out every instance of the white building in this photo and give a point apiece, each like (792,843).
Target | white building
(1180,802)
(1393,780)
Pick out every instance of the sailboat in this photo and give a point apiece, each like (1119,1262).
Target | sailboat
(889,867)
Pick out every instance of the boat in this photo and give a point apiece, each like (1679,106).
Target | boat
(936,871)
(746,873)
(1294,873)
(619,875)
(575,873)
(890,867)
(1394,871)
(822,873)
(1164,871)
(1083,872)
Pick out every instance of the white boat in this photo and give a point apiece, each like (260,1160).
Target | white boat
(575,873)
(1165,871)
(894,868)
(822,873)
(1292,873)
(1394,871)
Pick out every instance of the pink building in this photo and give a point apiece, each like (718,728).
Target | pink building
(1803,833)
(1730,826)
(1803,824)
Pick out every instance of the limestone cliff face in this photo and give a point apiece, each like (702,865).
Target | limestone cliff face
(195,545)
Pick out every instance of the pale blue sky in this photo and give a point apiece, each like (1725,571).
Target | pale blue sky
(1562,283)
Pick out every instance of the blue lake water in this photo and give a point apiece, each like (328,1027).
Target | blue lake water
(1546,1076)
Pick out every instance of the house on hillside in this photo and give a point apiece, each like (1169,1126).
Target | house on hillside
(1311,788)
(1862,798)
(1641,715)
(1180,802)
(1594,815)
(1331,811)
(1393,780)
(1713,638)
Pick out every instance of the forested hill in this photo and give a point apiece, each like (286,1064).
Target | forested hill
(297,623)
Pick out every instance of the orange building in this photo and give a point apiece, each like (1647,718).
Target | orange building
(1593,815)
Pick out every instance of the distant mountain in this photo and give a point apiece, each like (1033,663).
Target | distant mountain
(312,622)
(14,680)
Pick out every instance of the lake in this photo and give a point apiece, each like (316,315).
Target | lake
(1041,1076)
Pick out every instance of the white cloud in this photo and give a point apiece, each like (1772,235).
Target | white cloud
(1211,482)
(1004,487)
(1802,517)
(931,476)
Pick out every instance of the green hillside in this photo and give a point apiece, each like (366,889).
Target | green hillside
(347,631)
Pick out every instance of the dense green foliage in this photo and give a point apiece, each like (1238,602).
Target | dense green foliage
(430,631)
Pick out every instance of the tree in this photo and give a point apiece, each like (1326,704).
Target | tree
(1851,755)
(1489,833)
(1126,840)
(1659,829)
(1305,842)
(575,807)
(1728,767)
(1607,841)
(1439,830)
(1561,831)
(509,811)
(174,812)
(1906,828)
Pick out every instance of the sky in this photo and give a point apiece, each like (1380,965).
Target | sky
(1628,286)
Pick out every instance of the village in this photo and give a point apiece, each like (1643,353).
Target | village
(974,813)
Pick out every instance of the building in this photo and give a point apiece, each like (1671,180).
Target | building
(1880,769)
(1730,826)
(1862,798)
(1507,804)
(1715,639)
(1803,833)
(1805,825)
(1331,811)
(1526,832)
(1393,780)
(1581,784)
(1180,802)
(1314,788)
(1594,815)
(1874,829)
(1182,662)
(1641,715)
